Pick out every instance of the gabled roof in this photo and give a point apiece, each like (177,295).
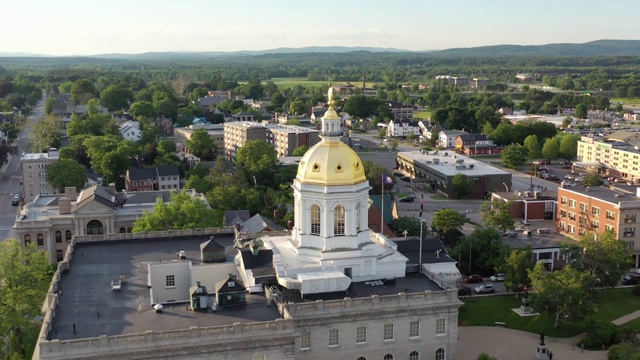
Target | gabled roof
(260,264)
(148,197)
(232,217)
(223,286)
(473,137)
(211,245)
(166,170)
(96,193)
(259,223)
(453,132)
(243,114)
(141,174)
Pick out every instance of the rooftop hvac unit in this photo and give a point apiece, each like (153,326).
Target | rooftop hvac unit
(446,154)
(470,166)
(459,161)
(436,160)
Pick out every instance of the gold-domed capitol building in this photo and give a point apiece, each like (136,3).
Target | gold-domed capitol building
(330,245)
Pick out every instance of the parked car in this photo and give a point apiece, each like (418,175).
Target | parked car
(484,289)
(497,277)
(543,170)
(16,199)
(473,278)
(463,291)
(552,177)
(545,162)
(409,198)
(621,180)
(630,279)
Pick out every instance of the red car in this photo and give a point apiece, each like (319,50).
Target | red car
(473,278)
(545,162)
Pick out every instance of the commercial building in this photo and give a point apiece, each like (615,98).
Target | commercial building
(34,174)
(284,138)
(332,287)
(438,168)
(163,177)
(215,131)
(50,221)
(610,157)
(596,209)
(529,205)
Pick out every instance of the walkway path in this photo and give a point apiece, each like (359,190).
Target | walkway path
(509,344)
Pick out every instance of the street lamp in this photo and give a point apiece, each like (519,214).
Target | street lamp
(535,172)
(420,248)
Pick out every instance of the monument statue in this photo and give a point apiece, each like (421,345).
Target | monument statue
(542,337)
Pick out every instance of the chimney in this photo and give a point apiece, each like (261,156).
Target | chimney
(70,193)
(112,188)
(64,206)
(275,216)
(290,225)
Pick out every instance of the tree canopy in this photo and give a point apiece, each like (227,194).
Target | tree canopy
(496,214)
(514,155)
(258,161)
(182,212)
(199,142)
(66,173)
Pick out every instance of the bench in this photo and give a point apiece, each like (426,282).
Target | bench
(500,324)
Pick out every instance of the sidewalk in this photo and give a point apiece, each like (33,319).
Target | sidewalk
(627,318)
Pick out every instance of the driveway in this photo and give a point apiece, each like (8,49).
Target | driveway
(508,344)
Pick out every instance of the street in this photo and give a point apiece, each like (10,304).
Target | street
(11,174)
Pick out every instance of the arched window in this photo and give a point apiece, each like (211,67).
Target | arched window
(315,219)
(362,358)
(414,356)
(27,239)
(440,354)
(129,229)
(94,227)
(358,217)
(338,220)
(67,235)
(123,230)
(388,357)
(40,238)
(58,236)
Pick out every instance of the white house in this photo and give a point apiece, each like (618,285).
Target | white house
(400,128)
(447,138)
(130,130)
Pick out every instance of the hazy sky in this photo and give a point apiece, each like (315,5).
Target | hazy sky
(74,27)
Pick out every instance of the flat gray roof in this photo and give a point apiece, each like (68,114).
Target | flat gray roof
(609,195)
(537,241)
(87,301)
(448,163)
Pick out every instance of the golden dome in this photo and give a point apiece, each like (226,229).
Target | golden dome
(330,163)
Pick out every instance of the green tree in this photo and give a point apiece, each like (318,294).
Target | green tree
(202,184)
(532,145)
(25,274)
(623,351)
(462,186)
(550,149)
(581,111)
(484,356)
(516,268)
(514,155)
(46,134)
(82,91)
(567,121)
(182,212)
(569,146)
(166,147)
(488,250)
(411,225)
(66,173)
(115,97)
(200,141)
(565,293)
(300,151)
(297,107)
(603,257)
(143,108)
(445,220)
(257,160)
(496,214)
(592,180)
(48,106)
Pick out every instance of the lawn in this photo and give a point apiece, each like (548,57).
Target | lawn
(485,311)
(633,324)
(626,101)
(424,114)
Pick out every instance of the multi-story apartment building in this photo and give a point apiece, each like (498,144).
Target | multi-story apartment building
(400,111)
(596,209)
(34,174)
(215,131)
(401,128)
(284,138)
(610,157)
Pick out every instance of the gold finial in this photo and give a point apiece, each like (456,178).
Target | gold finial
(331,101)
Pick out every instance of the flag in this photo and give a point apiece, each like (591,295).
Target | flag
(422,202)
(386,179)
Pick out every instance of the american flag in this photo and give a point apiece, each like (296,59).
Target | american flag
(421,204)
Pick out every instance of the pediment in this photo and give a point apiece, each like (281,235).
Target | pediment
(93,207)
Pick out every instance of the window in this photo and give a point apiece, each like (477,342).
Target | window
(414,356)
(610,215)
(338,220)
(27,239)
(361,334)
(584,207)
(572,216)
(608,227)
(388,357)
(563,213)
(595,224)
(362,358)
(40,238)
(440,354)
(122,230)
(358,217)
(333,337)
(170,281)
(563,200)
(260,356)
(59,255)
(58,236)
(441,326)
(629,232)
(315,219)
(414,329)
(632,245)
(563,226)
(388,332)
(572,204)
(67,235)
(305,340)
(630,218)
(595,211)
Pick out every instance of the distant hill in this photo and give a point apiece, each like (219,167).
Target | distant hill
(593,48)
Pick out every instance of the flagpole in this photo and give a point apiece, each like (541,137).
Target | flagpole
(382,207)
